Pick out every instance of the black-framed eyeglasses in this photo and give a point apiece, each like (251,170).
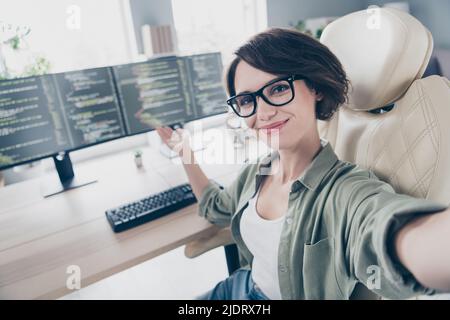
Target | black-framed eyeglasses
(277,92)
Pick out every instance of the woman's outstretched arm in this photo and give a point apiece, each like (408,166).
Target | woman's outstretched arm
(423,247)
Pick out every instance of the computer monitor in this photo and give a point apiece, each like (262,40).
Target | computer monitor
(204,72)
(152,93)
(52,115)
(170,90)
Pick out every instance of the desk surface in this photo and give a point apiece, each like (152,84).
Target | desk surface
(41,237)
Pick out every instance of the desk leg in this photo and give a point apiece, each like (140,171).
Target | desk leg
(232,256)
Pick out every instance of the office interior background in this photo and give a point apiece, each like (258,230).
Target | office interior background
(65,35)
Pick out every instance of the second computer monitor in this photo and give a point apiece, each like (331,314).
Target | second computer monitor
(204,72)
(151,93)
(170,90)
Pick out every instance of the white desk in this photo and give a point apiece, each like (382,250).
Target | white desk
(40,238)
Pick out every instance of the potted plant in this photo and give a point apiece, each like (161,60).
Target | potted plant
(16,58)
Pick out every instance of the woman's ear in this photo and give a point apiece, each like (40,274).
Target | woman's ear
(318,96)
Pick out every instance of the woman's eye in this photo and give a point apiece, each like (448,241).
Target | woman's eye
(245,101)
(279,89)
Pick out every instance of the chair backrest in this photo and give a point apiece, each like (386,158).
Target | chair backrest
(385,52)
(395,123)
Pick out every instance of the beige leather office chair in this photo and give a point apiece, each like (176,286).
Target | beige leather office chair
(395,123)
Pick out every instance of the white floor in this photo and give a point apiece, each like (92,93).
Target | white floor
(169,276)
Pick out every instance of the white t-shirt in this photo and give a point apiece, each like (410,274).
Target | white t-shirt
(262,238)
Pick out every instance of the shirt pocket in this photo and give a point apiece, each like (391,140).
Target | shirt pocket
(319,271)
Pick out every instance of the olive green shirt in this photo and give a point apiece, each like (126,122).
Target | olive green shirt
(338,229)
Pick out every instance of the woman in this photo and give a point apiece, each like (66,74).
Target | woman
(307,225)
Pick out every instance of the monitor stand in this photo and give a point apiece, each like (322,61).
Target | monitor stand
(67,179)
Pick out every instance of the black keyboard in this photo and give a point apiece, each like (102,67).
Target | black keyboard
(150,208)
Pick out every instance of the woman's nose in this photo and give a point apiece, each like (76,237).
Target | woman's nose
(264,110)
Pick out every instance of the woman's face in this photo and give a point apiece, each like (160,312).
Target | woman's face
(289,124)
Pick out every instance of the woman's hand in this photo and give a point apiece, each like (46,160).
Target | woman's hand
(422,246)
(177,140)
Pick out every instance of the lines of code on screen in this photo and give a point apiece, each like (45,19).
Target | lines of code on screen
(152,93)
(90,105)
(170,90)
(41,116)
(206,88)
(31,124)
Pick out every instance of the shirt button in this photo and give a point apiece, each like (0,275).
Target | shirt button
(283,269)
(296,186)
(289,220)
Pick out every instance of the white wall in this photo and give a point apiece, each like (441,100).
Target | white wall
(434,14)
(280,13)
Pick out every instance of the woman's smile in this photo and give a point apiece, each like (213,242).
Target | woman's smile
(274,127)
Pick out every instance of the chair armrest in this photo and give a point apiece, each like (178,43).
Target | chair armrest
(197,247)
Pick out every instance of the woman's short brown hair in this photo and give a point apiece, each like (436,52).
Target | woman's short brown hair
(288,52)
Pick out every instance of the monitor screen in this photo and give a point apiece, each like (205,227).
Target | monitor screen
(152,93)
(205,77)
(170,90)
(41,116)
(89,103)
(31,121)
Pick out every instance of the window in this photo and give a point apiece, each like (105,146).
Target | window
(217,25)
(70,34)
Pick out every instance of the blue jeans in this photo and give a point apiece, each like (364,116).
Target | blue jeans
(238,286)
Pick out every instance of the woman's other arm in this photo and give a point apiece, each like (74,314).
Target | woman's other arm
(423,247)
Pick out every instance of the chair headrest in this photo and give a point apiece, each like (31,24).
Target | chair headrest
(382,50)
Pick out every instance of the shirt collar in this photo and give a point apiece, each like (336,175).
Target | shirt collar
(314,173)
